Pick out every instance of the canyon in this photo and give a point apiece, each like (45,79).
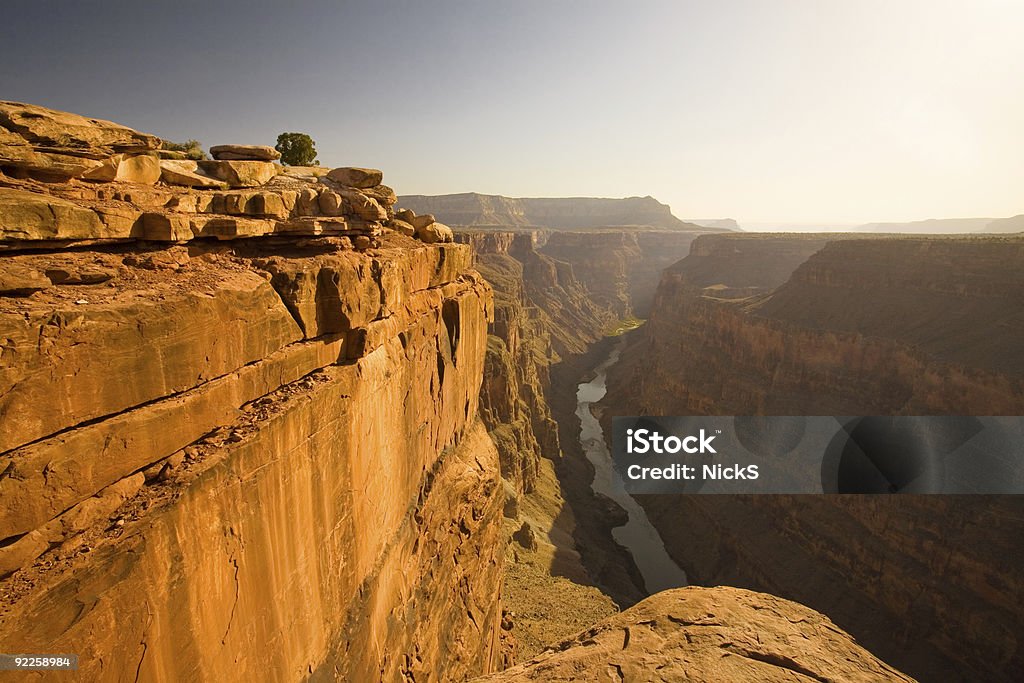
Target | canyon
(847,325)
(278,423)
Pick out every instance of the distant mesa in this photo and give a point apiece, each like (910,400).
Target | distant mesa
(723,223)
(1013,224)
(559,213)
(932,226)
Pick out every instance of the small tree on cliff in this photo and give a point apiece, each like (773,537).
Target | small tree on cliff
(297,149)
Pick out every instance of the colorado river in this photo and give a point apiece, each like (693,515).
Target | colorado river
(638,535)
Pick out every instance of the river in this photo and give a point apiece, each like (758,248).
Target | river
(638,535)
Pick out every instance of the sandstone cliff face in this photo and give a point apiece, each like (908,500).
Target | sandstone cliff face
(254,457)
(707,635)
(861,327)
(472,209)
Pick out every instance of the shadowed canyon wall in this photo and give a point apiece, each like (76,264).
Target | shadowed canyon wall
(793,326)
(556,295)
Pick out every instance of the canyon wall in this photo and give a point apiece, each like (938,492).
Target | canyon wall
(470,209)
(556,295)
(239,434)
(792,325)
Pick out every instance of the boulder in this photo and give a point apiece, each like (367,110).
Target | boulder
(420,222)
(106,171)
(526,537)
(142,168)
(20,280)
(186,173)
(405,215)
(331,204)
(30,216)
(244,153)
(383,194)
(307,203)
(49,130)
(365,207)
(435,232)
(401,226)
(352,176)
(240,173)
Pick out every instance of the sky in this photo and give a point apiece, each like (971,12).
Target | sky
(803,112)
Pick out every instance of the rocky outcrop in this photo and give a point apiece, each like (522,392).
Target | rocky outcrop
(858,327)
(707,635)
(472,209)
(245,153)
(243,453)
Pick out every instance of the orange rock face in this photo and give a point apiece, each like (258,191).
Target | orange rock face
(707,635)
(254,453)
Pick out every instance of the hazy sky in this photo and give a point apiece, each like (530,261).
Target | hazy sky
(765,111)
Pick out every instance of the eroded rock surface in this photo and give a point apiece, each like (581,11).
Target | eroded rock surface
(239,439)
(473,209)
(707,635)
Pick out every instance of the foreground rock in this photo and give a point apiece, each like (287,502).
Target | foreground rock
(708,635)
(60,145)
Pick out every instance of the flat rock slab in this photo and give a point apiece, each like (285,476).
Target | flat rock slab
(244,153)
(352,176)
(31,216)
(42,127)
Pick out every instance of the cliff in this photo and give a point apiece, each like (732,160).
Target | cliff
(472,209)
(239,433)
(258,424)
(858,327)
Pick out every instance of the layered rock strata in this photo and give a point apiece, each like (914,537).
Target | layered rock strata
(856,327)
(471,209)
(253,456)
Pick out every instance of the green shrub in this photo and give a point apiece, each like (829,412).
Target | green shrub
(297,149)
